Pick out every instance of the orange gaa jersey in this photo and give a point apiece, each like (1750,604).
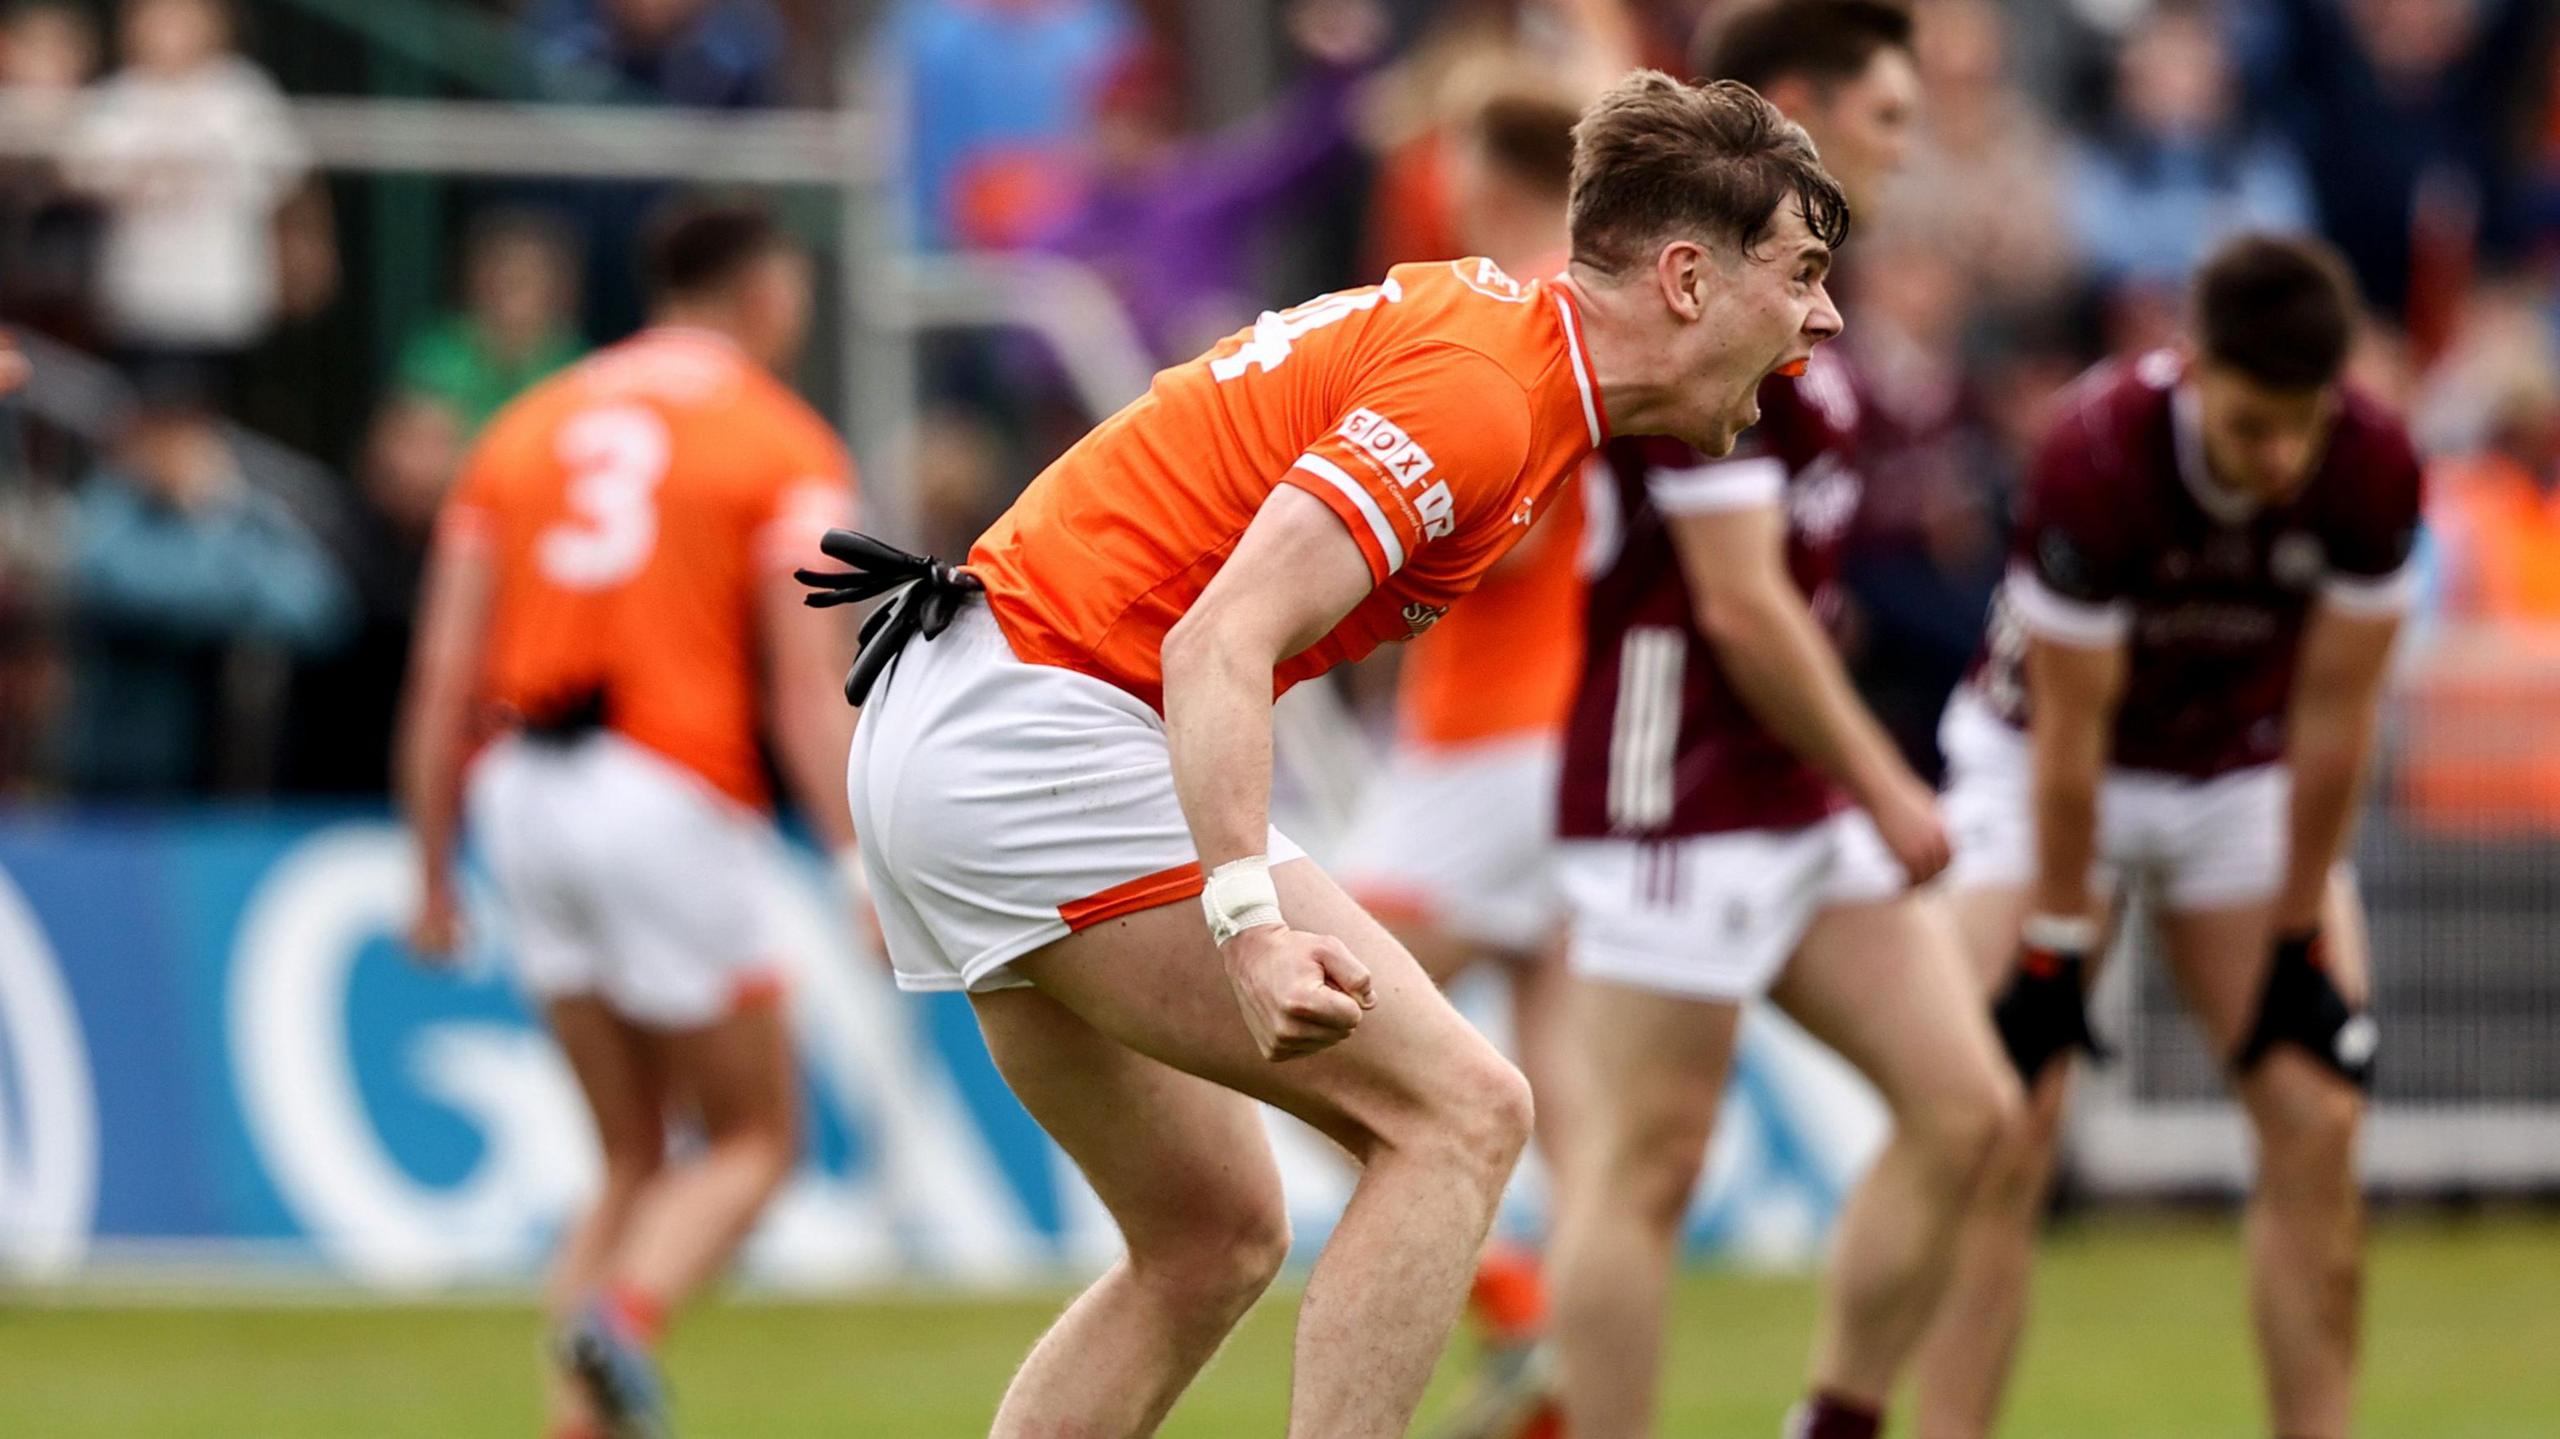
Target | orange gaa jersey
(633,507)
(1504,664)
(1436,413)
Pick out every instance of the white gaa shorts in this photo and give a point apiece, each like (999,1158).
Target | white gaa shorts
(1464,835)
(2204,844)
(626,876)
(1002,806)
(1716,916)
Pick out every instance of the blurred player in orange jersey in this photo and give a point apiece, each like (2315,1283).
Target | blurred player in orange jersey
(1454,845)
(1063,772)
(611,621)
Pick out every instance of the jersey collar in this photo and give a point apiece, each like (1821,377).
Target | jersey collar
(2186,426)
(1595,413)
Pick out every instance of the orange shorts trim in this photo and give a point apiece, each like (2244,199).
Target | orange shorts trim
(762,989)
(1183,881)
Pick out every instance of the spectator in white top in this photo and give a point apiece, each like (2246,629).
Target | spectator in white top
(192,152)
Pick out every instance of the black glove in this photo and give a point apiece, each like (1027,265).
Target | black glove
(930,594)
(2302,1005)
(2043,1013)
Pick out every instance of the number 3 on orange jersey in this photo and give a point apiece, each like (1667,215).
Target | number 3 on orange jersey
(615,457)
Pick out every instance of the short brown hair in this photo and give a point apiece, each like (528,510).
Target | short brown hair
(2280,309)
(1528,136)
(1654,159)
(700,244)
(1829,42)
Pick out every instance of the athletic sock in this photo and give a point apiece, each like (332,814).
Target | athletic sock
(1829,1416)
(642,1315)
(1509,1296)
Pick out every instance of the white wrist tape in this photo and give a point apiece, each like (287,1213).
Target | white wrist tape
(2060,933)
(1240,896)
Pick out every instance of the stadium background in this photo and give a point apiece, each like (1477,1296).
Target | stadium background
(221,1086)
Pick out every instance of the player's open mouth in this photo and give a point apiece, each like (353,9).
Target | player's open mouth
(1793,369)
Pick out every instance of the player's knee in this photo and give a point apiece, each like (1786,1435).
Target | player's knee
(1221,1258)
(1649,1167)
(629,1166)
(2309,1125)
(1493,1114)
(1968,1128)
(1470,1113)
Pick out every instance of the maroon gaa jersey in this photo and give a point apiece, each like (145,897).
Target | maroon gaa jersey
(1659,743)
(2123,533)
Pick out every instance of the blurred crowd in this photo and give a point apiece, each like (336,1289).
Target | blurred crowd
(171,623)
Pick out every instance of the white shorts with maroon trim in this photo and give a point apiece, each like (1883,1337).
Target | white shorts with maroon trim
(2214,843)
(626,876)
(1716,916)
(1002,806)
(1464,835)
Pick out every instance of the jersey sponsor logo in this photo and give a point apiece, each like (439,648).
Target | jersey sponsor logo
(1488,279)
(2297,560)
(1526,512)
(1822,504)
(1419,616)
(1385,444)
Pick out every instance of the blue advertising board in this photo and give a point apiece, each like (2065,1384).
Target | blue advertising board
(213,1049)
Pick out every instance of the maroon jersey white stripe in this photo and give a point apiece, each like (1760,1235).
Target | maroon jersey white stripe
(1659,743)
(2123,534)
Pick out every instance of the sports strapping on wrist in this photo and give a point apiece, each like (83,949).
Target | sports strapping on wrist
(1240,896)
(2060,933)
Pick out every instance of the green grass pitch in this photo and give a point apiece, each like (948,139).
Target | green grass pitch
(2141,1335)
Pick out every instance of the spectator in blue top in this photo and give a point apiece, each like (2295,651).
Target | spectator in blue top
(997,99)
(2177,169)
(177,567)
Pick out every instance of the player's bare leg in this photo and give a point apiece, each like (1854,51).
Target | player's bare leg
(1435,1116)
(736,1074)
(2305,1221)
(1887,987)
(1186,1171)
(1507,1304)
(1662,1062)
(1963,1365)
(626,1098)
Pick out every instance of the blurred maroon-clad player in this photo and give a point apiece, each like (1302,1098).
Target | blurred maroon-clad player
(2180,687)
(1735,822)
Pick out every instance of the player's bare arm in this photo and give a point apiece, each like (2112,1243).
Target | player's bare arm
(2076,689)
(434,737)
(1293,576)
(2329,748)
(805,653)
(1751,611)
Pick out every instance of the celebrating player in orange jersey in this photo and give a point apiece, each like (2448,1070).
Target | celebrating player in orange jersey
(1045,780)
(610,606)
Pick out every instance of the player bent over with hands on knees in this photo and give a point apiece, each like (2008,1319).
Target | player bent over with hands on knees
(1065,754)
(1735,822)
(2181,683)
